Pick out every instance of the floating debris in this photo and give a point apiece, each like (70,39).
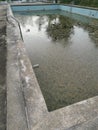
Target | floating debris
(36,66)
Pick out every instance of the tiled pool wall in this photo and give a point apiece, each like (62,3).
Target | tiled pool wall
(35,7)
(89,12)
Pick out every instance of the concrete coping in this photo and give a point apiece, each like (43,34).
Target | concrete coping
(26,107)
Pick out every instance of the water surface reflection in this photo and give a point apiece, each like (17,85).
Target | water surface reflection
(66,51)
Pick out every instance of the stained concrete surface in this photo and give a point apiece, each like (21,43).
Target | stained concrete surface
(90,125)
(16,117)
(3,53)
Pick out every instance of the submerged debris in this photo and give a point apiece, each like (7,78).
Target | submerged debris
(36,66)
(28,30)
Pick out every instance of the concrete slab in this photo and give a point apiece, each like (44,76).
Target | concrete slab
(16,117)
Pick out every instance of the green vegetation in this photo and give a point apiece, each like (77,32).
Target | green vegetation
(92,3)
(2,0)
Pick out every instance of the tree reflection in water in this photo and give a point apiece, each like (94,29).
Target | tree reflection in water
(41,20)
(92,30)
(59,27)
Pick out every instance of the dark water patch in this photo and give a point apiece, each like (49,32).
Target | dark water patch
(65,47)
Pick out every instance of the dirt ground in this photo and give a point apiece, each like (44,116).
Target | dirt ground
(3,52)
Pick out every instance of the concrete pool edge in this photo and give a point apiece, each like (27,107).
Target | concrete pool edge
(36,115)
(19,89)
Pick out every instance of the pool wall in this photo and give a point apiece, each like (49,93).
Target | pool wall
(34,8)
(89,12)
(80,10)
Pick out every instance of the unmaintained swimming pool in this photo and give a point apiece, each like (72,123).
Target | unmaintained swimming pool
(66,48)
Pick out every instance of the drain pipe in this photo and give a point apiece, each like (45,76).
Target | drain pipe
(18,26)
